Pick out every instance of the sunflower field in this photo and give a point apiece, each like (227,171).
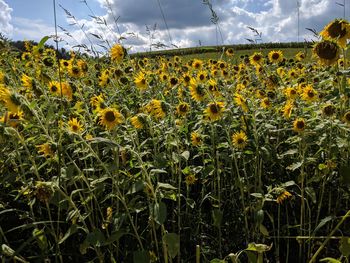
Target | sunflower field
(120,159)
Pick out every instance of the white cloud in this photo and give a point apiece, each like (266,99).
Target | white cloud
(30,29)
(5,18)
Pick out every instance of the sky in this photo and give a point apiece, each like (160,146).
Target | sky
(143,25)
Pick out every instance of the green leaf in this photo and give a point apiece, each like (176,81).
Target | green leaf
(172,240)
(73,229)
(186,155)
(322,223)
(345,174)
(115,236)
(345,246)
(263,230)
(260,248)
(217,217)
(95,238)
(141,256)
(330,260)
(136,187)
(159,213)
(40,237)
(294,166)
(311,192)
(43,41)
(216,260)
(166,186)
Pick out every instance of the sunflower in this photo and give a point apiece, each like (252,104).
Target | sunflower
(186,78)
(164,76)
(182,108)
(9,99)
(300,56)
(67,91)
(141,81)
(197,64)
(299,125)
(27,81)
(229,52)
(12,119)
(197,91)
(109,118)
(328,110)
(138,121)
(239,140)
(202,76)
(156,108)
(190,179)
(291,93)
(46,150)
(287,109)
(265,103)
(54,87)
(65,63)
(327,52)
(337,30)
(214,111)
(283,196)
(346,117)
(98,103)
(74,71)
(117,53)
(213,87)
(275,56)
(309,94)
(173,81)
(256,59)
(196,139)
(104,79)
(75,125)
(241,102)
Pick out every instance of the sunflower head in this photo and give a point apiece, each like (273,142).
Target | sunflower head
(347,117)
(327,52)
(182,109)
(214,111)
(275,56)
(110,117)
(256,59)
(75,125)
(328,110)
(299,125)
(229,52)
(196,139)
(239,140)
(337,30)
(117,53)
(138,121)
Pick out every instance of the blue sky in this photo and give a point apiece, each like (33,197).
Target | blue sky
(188,21)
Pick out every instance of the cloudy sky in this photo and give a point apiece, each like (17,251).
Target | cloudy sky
(142,25)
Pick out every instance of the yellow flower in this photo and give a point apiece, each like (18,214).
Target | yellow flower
(141,81)
(239,140)
(109,118)
(74,71)
(201,76)
(299,125)
(214,111)
(117,53)
(240,101)
(196,139)
(287,109)
(12,118)
(346,117)
(156,108)
(283,196)
(256,59)
(75,125)
(265,103)
(337,30)
(46,150)
(197,91)
(309,94)
(97,103)
(300,56)
(138,121)
(190,179)
(327,52)
(54,87)
(197,64)
(9,99)
(229,52)
(27,81)
(328,110)
(182,108)
(275,56)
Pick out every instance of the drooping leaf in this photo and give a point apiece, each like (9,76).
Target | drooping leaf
(345,246)
(141,256)
(172,240)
